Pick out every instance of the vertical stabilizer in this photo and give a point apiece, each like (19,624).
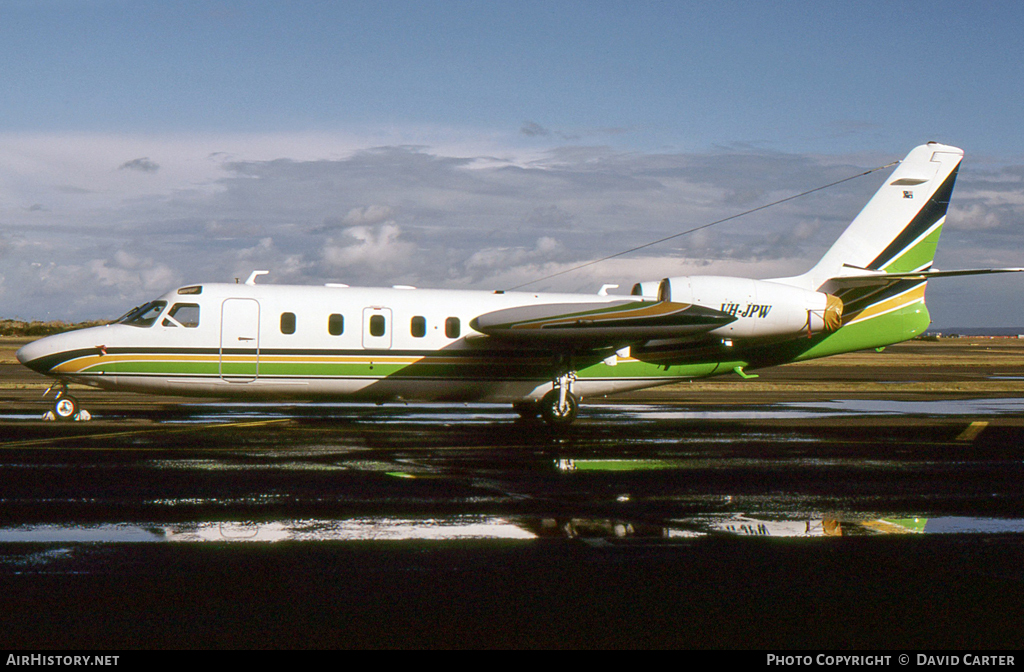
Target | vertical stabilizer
(898,229)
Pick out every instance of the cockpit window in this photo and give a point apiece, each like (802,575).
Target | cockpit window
(184,314)
(144,316)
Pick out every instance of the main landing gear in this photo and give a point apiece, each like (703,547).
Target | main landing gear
(558,407)
(559,410)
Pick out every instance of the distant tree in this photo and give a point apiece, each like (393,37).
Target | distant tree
(23,328)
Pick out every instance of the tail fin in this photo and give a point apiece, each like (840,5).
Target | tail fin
(898,229)
(879,267)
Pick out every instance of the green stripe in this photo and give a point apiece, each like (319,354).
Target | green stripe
(893,327)
(899,325)
(920,255)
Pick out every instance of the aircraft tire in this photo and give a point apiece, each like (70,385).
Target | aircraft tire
(65,408)
(553,415)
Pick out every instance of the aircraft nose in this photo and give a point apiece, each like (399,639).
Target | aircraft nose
(33,355)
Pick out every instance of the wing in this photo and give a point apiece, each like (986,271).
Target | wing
(602,324)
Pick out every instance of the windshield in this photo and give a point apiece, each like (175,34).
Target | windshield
(144,316)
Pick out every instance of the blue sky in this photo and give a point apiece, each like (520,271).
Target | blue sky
(472,144)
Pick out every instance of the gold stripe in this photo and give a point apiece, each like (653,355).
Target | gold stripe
(82,363)
(658,309)
(909,297)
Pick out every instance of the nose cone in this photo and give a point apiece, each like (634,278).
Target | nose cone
(36,355)
(48,354)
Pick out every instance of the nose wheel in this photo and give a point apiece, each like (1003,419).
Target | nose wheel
(65,407)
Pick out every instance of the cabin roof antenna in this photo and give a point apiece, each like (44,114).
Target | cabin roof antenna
(255,274)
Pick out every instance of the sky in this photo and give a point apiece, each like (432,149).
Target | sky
(464,144)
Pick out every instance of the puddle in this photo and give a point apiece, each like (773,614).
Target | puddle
(354,529)
(998,406)
(455,528)
(473,413)
(821,409)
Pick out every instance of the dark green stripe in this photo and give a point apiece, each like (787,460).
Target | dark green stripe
(927,217)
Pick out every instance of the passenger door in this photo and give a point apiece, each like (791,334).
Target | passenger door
(240,340)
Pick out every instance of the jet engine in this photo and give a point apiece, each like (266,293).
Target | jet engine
(762,308)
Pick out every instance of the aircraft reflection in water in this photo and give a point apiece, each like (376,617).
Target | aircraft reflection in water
(455,528)
(540,352)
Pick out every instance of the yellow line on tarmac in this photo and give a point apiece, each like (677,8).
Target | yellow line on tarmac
(255,423)
(972,431)
(42,443)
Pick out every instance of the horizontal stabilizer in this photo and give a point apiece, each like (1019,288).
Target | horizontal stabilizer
(867,278)
(618,321)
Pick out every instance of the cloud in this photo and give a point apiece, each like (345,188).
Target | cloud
(493,260)
(973,217)
(550,217)
(142,165)
(533,129)
(444,215)
(127,272)
(371,214)
(985,220)
(421,216)
(375,249)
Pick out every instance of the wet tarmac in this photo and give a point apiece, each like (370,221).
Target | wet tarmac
(654,521)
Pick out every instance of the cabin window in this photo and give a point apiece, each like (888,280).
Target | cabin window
(145,315)
(336,324)
(287,323)
(452,327)
(378,325)
(418,326)
(183,314)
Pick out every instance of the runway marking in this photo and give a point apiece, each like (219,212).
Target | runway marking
(972,431)
(166,430)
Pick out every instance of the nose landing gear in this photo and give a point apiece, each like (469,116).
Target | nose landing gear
(65,407)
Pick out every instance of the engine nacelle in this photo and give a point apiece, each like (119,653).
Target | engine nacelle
(646,289)
(761,308)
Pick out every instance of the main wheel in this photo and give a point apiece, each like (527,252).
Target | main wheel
(66,407)
(553,414)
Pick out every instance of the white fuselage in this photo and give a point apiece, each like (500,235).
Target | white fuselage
(322,342)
